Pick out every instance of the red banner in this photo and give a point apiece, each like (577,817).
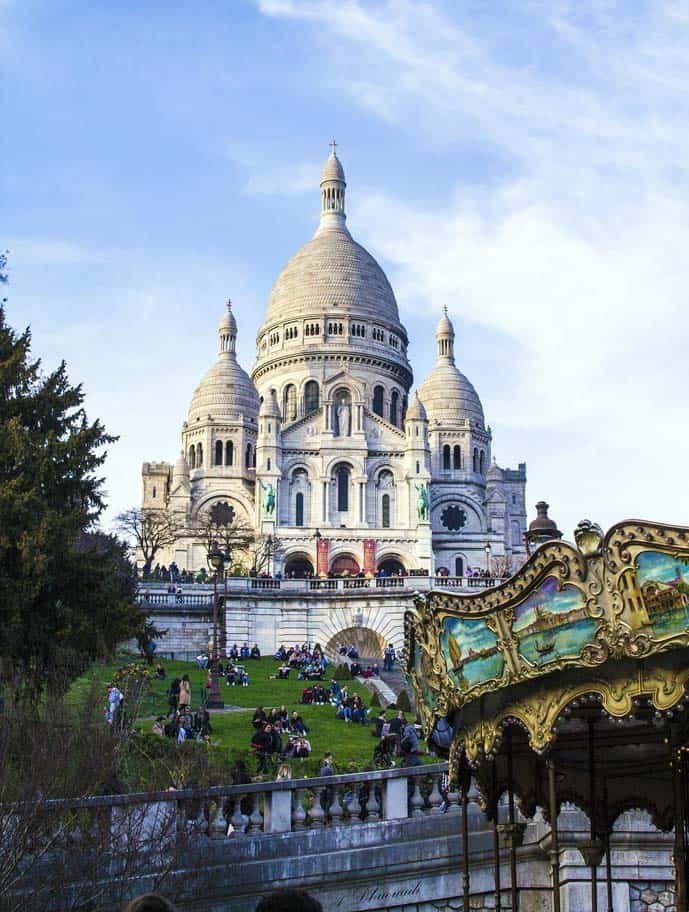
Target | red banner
(369,555)
(323,555)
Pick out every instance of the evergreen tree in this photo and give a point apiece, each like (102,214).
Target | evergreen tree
(67,594)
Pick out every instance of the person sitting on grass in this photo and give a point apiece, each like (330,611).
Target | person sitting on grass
(255,652)
(244,677)
(234,652)
(283,671)
(359,712)
(296,724)
(259,717)
(281,654)
(202,723)
(355,669)
(283,714)
(244,652)
(298,747)
(320,695)
(160,672)
(158,727)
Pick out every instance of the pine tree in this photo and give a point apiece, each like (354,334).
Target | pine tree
(67,593)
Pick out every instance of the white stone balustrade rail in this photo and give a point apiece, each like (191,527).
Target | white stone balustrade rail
(268,808)
(200,595)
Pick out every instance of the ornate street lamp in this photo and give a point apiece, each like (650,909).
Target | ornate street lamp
(487,549)
(216,559)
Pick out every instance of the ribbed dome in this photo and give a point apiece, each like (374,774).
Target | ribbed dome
(225,392)
(416,411)
(449,396)
(331,274)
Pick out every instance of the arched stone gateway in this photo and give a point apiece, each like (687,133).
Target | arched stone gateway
(392,565)
(345,565)
(298,566)
(368,643)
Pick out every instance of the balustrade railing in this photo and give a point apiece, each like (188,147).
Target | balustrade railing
(190,598)
(265,808)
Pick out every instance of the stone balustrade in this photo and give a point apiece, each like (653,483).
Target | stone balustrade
(283,806)
(200,595)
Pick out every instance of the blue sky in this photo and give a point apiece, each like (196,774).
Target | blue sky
(527,169)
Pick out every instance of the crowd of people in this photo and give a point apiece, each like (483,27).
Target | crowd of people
(278,735)
(309,662)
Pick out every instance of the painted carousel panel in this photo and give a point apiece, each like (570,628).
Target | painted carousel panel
(471,652)
(552,623)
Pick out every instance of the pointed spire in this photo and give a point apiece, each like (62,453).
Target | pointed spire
(333,192)
(445,335)
(228,330)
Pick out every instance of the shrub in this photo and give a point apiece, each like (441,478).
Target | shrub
(342,673)
(403,703)
(375,700)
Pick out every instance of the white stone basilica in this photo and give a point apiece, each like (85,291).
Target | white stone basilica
(322,449)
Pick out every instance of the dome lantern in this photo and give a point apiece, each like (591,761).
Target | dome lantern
(445,335)
(333,186)
(227,330)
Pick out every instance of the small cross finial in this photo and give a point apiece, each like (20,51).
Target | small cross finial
(333,146)
(229,303)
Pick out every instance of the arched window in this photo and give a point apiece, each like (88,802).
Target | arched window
(386,511)
(229,453)
(192,456)
(394,407)
(155,490)
(446,457)
(289,398)
(481,462)
(248,456)
(311,397)
(218,452)
(343,489)
(457,460)
(299,509)
(459,566)
(418,467)
(199,455)
(269,464)
(475,460)
(378,394)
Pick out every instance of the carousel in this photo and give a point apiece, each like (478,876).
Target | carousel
(566,685)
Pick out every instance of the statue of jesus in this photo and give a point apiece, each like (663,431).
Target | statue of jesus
(344,419)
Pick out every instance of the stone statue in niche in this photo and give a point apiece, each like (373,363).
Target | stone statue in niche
(344,419)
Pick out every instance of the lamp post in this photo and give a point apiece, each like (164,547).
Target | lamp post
(216,560)
(487,549)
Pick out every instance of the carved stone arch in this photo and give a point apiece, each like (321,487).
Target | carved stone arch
(354,462)
(356,388)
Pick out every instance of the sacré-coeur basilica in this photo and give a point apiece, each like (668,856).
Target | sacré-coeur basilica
(324,448)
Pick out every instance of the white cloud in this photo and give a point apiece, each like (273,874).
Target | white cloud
(579,251)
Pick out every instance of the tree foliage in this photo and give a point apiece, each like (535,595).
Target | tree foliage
(67,593)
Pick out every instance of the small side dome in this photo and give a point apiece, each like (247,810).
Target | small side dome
(495,473)
(416,410)
(181,469)
(228,324)
(269,407)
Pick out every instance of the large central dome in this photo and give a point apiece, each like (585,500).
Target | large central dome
(332,273)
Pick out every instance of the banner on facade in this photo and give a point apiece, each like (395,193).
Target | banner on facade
(369,555)
(323,554)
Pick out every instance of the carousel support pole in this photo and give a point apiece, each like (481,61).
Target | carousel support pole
(554,842)
(592,800)
(608,857)
(466,881)
(514,892)
(496,838)
(680,833)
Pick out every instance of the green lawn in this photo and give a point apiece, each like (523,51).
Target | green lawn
(352,744)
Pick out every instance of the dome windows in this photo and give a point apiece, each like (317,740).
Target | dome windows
(312,329)
(291,332)
(335,329)
(358,330)
(274,338)
(377,334)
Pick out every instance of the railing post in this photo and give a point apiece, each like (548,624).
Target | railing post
(395,805)
(278,812)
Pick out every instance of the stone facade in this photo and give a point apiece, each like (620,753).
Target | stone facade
(323,447)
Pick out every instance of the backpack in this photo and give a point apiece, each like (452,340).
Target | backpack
(441,736)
